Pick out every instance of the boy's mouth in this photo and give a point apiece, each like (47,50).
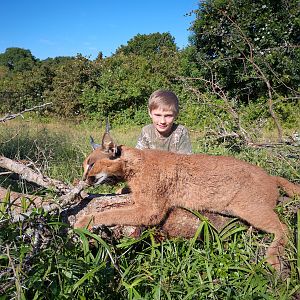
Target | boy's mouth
(163,129)
(162,126)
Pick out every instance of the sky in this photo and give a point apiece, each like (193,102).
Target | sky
(51,28)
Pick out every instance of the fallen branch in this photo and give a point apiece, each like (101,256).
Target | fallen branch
(13,116)
(179,222)
(67,194)
(32,176)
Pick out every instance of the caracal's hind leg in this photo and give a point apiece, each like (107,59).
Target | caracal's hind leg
(266,219)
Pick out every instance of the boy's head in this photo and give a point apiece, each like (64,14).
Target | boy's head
(163,109)
(165,100)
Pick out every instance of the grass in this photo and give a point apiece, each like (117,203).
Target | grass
(43,258)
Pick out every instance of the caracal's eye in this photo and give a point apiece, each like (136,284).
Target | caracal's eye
(90,165)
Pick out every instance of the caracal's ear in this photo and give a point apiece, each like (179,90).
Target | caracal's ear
(93,144)
(108,144)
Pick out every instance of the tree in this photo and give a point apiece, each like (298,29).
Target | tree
(21,90)
(235,38)
(70,76)
(128,77)
(126,82)
(148,44)
(17,59)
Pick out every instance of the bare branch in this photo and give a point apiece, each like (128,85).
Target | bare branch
(226,106)
(13,116)
(32,176)
(260,73)
(64,202)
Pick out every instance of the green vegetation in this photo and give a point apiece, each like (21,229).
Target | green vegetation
(242,43)
(238,84)
(63,263)
(235,60)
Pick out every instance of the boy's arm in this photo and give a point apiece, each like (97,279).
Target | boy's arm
(185,146)
(142,142)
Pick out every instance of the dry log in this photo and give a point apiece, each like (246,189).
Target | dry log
(179,222)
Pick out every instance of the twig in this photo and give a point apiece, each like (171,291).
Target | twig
(217,89)
(13,116)
(6,173)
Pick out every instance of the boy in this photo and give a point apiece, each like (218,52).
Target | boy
(163,133)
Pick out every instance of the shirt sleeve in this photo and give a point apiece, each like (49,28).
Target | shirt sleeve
(184,146)
(142,142)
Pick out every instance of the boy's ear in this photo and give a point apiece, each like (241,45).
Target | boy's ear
(149,112)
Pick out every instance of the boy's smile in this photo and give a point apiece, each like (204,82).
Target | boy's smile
(162,120)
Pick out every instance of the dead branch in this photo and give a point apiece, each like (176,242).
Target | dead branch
(67,194)
(32,176)
(226,106)
(260,73)
(13,116)
(75,198)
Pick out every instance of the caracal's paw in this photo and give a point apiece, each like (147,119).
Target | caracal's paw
(84,222)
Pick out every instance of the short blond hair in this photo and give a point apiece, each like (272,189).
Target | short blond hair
(165,99)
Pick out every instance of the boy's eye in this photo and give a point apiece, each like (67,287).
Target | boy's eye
(166,116)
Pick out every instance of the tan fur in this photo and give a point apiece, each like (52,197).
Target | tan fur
(162,180)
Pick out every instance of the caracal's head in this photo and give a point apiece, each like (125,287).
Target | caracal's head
(103,165)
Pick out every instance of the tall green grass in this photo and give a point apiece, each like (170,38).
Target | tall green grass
(43,258)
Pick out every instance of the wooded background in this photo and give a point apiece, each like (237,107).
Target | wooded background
(241,67)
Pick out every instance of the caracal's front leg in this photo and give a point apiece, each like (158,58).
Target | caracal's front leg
(132,215)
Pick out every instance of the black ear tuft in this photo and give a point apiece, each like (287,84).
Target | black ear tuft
(93,144)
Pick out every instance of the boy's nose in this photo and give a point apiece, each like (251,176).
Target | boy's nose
(162,119)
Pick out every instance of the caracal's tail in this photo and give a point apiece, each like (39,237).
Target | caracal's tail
(290,188)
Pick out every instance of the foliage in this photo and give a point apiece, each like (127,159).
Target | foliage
(234,38)
(17,59)
(70,78)
(126,81)
(148,44)
(243,56)
(25,89)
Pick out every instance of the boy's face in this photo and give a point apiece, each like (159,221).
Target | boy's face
(162,120)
